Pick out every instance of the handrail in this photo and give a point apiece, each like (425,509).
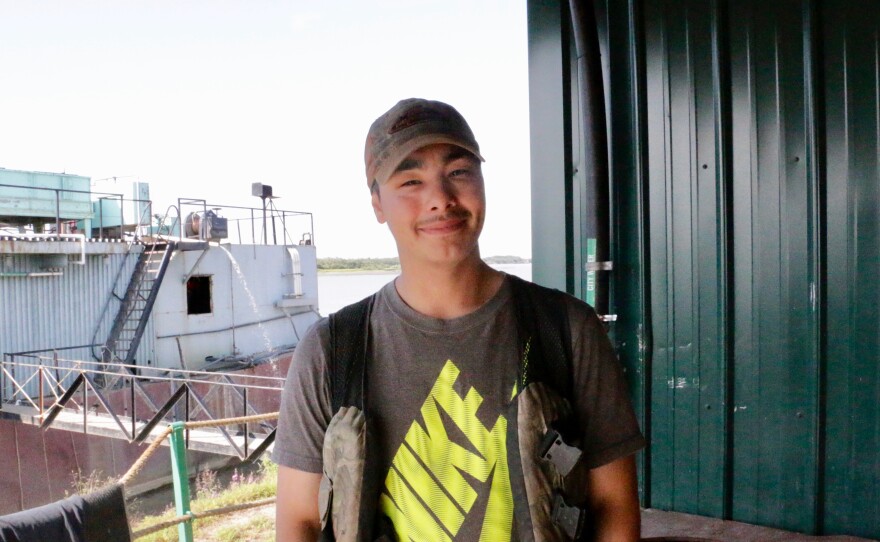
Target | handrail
(58,191)
(100,321)
(134,430)
(185,374)
(177,220)
(110,296)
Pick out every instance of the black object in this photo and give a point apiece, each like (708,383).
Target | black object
(99,516)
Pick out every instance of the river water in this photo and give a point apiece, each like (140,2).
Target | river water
(336,290)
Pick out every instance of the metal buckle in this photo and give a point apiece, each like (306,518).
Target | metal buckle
(598,266)
(555,450)
(570,519)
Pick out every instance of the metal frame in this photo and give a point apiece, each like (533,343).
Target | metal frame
(195,406)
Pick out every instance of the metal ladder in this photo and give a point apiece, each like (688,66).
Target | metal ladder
(137,304)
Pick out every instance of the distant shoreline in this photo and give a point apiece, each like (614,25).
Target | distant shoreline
(358,271)
(377,266)
(389,271)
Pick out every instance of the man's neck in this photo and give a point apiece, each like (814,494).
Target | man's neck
(448,292)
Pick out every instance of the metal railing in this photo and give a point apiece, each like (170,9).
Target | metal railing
(132,397)
(185,515)
(257,226)
(145,204)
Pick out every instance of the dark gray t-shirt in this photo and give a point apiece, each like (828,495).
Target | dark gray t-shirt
(438,392)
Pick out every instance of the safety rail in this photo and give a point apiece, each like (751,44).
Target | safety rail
(102,196)
(180,476)
(132,411)
(250,225)
(159,237)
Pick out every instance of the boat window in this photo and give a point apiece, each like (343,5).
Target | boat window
(198,295)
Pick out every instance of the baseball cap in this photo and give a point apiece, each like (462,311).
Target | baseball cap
(408,126)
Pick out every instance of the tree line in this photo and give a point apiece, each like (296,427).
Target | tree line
(392,264)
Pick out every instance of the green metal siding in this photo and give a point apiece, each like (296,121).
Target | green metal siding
(551,149)
(686,219)
(775,278)
(745,178)
(626,163)
(852,117)
(37,196)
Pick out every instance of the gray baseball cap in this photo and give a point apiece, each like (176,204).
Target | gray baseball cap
(408,126)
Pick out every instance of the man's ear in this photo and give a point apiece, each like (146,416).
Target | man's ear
(377,205)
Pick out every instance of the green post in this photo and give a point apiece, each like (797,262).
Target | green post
(181,480)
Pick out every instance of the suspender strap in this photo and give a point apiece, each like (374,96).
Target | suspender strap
(544,335)
(542,328)
(349,338)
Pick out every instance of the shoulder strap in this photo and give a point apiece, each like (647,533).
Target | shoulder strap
(544,335)
(349,343)
(349,337)
(543,331)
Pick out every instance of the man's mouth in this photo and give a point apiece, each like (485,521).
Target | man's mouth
(444,224)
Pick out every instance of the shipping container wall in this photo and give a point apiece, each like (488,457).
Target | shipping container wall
(744,150)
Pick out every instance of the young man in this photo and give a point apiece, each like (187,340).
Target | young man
(463,422)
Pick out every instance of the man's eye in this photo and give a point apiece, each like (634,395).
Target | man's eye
(459,172)
(411,182)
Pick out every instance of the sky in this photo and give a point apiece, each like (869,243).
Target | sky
(201,98)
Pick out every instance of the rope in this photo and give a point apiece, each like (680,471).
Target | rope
(198,515)
(233,508)
(142,460)
(230,421)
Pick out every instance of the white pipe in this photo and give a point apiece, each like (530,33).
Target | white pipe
(295,271)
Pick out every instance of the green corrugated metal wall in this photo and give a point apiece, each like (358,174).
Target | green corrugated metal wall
(745,174)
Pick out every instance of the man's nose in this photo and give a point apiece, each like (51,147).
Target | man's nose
(443,195)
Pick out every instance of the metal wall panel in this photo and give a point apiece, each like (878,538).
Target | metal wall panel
(687,259)
(775,269)
(550,102)
(620,43)
(852,93)
(37,195)
(745,175)
(63,311)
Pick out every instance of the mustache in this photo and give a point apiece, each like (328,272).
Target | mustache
(452,214)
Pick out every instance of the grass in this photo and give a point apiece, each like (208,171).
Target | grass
(257,529)
(254,525)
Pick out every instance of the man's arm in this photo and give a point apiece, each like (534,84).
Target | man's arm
(296,507)
(614,501)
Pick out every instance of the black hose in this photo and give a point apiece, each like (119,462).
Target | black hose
(594,141)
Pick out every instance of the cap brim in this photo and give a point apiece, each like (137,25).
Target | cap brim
(414,144)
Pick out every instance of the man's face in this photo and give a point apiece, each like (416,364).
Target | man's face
(434,204)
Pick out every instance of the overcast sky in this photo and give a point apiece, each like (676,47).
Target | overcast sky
(201,98)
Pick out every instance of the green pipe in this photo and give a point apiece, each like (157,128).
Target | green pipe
(181,480)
